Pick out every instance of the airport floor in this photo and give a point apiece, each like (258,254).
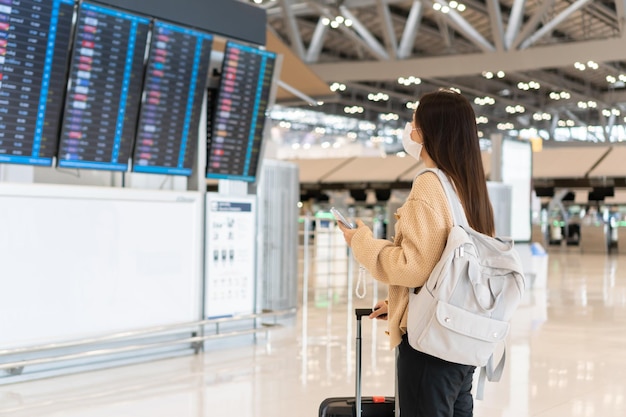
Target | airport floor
(566,357)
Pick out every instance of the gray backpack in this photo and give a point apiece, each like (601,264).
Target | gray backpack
(462,312)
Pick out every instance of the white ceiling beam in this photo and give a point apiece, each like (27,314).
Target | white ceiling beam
(444,31)
(553,23)
(292,29)
(552,56)
(317,42)
(495,19)
(305,7)
(532,24)
(372,43)
(620,7)
(389,33)
(464,28)
(515,22)
(379,53)
(410,30)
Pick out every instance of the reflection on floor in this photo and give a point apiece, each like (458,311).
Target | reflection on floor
(566,358)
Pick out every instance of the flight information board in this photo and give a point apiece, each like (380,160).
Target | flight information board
(34,49)
(104,89)
(234,144)
(167,136)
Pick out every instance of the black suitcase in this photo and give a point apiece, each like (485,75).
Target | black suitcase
(358,406)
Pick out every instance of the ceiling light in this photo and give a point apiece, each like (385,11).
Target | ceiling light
(353,109)
(488,74)
(337,87)
(611,79)
(485,101)
(445,9)
(389,116)
(410,80)
(325,21)
(500,74)
(437,6)
(348,22)
(339,19)
(334,24)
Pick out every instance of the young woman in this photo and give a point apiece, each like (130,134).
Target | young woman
(443,135)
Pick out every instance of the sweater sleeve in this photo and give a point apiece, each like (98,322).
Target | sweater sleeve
(424,222)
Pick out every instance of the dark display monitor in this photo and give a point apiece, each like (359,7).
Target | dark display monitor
(176,75)
(104,89)
(34,49)
(234,141)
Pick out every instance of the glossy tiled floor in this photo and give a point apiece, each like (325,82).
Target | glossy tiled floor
(567,357)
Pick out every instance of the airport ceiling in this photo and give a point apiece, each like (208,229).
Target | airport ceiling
(538,64)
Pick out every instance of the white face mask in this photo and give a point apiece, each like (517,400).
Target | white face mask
(410,146)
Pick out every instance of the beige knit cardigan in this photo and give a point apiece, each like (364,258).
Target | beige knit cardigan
(423,224)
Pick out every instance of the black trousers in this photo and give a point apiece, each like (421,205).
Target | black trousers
(432,387)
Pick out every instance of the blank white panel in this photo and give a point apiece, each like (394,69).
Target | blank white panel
(614,165)
(566,162)
(373,169)
(83,261)
(312,170)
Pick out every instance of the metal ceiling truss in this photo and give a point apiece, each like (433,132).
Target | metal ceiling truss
(533,39)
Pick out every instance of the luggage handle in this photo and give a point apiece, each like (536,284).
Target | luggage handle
(360,312)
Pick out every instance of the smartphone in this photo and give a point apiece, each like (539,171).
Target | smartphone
(340,217)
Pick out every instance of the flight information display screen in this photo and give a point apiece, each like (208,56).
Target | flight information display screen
(34,49)
(104,89)
(176,74)
(234,143)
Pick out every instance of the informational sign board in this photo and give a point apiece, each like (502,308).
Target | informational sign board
(230,255)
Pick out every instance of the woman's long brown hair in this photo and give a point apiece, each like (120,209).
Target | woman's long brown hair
(450,135)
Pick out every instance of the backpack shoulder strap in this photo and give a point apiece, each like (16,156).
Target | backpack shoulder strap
(490,373)
(454,203)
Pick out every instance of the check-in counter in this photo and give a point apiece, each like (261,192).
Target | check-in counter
(593,238)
